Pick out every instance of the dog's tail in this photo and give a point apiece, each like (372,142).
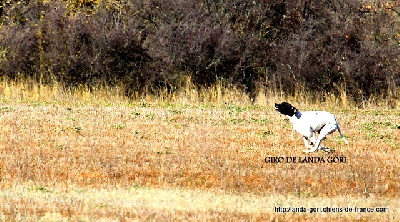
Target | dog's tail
(341,134)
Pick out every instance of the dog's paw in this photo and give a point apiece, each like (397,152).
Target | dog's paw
(327,149)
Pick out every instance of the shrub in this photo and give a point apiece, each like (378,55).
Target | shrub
(148,45)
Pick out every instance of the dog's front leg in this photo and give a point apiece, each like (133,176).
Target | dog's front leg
(313,140)
(327,129)
(305,140)
(312,149)
(315,143)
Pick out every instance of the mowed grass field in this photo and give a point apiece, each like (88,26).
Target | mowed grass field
(78,160)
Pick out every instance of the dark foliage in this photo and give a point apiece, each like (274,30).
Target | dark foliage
(146,45)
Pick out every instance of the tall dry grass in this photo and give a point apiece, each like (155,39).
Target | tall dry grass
(189,94)
(92,155)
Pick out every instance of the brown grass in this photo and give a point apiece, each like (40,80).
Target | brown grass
(194,155)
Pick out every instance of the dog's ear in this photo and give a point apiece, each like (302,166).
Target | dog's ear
(294,109)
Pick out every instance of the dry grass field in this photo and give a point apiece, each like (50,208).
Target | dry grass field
(191,156)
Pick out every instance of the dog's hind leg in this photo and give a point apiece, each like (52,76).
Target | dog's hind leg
(341,134)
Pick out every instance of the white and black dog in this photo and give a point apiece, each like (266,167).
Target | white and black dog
(309,122)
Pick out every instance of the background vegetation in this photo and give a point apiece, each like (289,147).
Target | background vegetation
(330,46)
(147,110)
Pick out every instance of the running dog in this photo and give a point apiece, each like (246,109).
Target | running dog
(308,123)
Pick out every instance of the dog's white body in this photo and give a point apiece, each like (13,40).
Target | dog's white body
(309,122)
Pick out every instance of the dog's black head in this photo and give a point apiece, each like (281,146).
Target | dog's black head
(285,108)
